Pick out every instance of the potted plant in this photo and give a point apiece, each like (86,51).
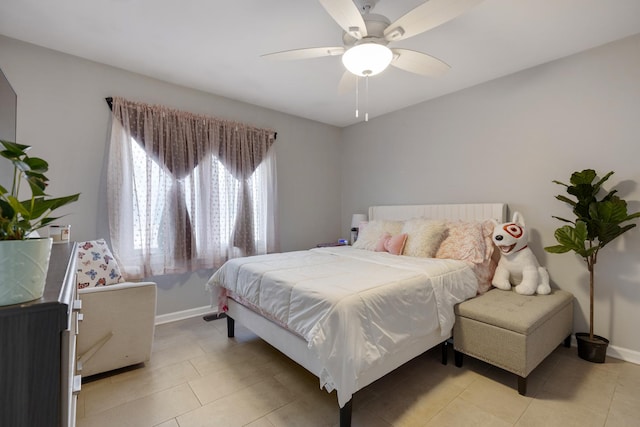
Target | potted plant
(598,222)
(24,261)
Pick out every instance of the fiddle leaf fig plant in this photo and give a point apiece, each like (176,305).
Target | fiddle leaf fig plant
(597,222)
(19,218)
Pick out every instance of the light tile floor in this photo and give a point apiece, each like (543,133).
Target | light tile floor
(199,377)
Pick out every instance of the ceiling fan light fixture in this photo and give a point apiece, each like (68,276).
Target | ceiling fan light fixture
(367,59)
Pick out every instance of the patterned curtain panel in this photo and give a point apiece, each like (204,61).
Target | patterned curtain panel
(187,191)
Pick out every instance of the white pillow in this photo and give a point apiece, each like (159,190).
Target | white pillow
(370,234)
(424,236)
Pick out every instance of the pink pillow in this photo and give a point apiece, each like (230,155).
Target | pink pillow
(392,244)
(471,242)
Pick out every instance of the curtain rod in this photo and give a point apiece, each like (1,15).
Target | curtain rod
(110,104)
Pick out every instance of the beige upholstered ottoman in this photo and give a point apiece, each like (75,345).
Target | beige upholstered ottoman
(512,331)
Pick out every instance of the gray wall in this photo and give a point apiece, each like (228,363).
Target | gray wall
(505,141)
(63,115)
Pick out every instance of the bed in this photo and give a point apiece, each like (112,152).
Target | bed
(328,309)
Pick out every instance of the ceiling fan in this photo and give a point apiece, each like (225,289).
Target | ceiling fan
(366,36)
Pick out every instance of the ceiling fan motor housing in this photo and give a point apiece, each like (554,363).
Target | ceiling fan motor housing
(376,24)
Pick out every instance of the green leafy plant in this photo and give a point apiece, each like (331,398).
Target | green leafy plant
(19,218)
(597,222)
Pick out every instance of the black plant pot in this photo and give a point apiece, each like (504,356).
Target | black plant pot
(592,350)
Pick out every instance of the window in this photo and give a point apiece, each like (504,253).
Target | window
(149,182)
(187,193)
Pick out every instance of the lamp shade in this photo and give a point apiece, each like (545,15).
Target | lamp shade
(356,219)
(367,59)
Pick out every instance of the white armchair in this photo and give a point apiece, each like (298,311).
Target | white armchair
(118,319)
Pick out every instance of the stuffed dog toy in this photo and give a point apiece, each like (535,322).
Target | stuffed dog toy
(518,265)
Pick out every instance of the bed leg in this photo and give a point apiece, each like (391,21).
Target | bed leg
(445,350)
(567,341)
(457,355)
(231,331)
(345,414)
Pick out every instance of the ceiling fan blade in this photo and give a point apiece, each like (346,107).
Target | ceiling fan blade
(418,62)
(307,53)
(347,15)
(428,15)
(347,83)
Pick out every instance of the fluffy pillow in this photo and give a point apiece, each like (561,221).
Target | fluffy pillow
(423,236)
(471,242)
(96,265)
(392,244)
(370,234)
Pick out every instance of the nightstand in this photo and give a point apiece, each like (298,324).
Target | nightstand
(340,242)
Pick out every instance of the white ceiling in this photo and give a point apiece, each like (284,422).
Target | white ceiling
(215,45)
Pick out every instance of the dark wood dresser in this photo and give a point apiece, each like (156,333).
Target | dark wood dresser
(38,383)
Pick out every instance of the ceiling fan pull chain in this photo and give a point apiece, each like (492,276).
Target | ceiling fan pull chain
(357,84)
(366,98)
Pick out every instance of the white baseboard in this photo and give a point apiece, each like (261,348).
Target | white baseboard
(625,354)
(185,314)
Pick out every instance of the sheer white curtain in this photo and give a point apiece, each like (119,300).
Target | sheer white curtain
(187,191)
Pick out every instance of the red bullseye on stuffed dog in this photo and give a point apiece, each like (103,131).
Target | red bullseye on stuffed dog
(514,230)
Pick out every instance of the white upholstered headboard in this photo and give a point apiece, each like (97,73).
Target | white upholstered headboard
(467,212)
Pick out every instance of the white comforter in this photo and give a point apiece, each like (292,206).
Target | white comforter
(352,306)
